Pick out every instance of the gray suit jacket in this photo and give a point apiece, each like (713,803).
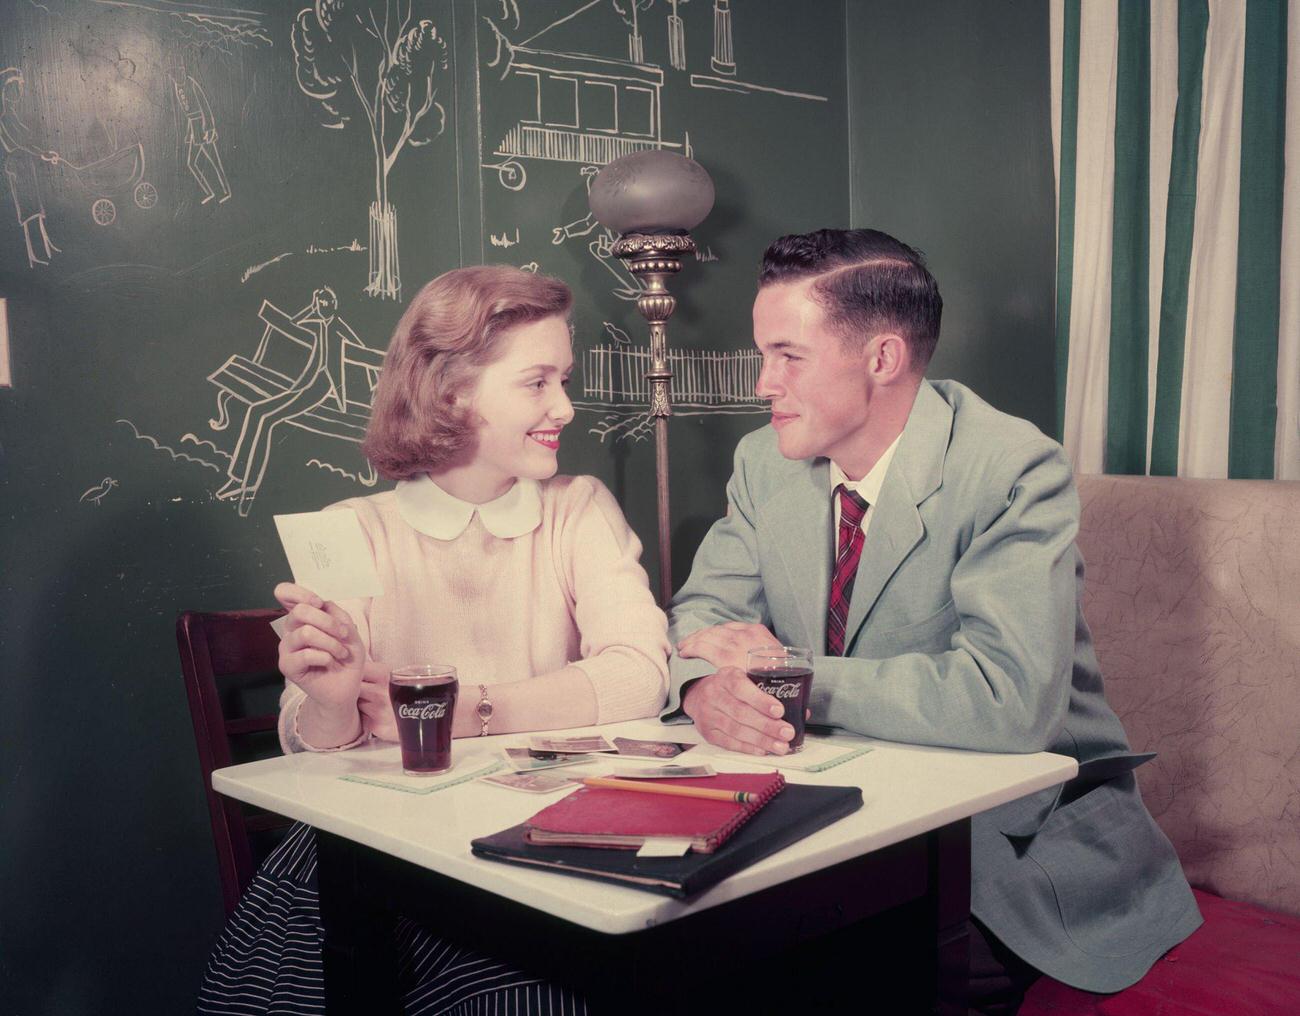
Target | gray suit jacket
(965,629)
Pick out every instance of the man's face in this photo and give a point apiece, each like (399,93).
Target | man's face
(820,395)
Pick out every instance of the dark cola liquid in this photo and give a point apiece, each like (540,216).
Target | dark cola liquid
(789,686)
(423,707)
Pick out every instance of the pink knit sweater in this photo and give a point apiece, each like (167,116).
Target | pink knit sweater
(570,591)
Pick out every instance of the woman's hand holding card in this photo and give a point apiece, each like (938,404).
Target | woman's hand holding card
(321,651)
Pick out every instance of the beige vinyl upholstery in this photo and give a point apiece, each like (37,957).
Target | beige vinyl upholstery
(1193,596)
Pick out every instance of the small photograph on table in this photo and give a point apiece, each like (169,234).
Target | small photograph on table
(650,749)
(533,783)
(667,772)
(525,760)
(571,745)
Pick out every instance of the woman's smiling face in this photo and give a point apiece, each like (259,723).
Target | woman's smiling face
(522,404)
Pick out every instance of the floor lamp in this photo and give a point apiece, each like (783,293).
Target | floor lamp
(652,199)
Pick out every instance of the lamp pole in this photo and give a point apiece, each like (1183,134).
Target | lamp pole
(652,199)
(653,259)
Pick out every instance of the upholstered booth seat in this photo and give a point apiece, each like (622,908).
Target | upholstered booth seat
(1244,960)
(1193,597)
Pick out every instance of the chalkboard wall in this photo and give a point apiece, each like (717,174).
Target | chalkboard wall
(194,191)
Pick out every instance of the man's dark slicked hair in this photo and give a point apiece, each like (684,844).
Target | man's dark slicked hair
(867,283)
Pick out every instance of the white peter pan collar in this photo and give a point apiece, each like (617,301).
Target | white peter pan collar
(429,509)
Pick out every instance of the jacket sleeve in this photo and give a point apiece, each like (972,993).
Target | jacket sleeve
(1004,682)
(725,584)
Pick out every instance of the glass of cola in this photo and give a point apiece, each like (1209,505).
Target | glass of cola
(424,702)
(785,673)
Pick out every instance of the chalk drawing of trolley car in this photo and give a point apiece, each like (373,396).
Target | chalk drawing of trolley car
(578,109)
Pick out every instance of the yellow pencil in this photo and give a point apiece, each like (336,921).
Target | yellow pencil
(654,787)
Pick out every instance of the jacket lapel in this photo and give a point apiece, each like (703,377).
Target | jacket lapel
(895,526)
(800,519)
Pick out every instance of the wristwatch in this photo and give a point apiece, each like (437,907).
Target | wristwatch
(484,709)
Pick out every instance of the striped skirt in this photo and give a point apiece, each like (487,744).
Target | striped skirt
(267,960)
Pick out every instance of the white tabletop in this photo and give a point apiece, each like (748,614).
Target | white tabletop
(906,791)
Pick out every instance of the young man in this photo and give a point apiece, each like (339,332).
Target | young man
(924,543)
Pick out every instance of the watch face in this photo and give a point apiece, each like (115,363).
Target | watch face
(484,710)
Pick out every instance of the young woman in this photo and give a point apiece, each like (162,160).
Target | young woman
(490,562)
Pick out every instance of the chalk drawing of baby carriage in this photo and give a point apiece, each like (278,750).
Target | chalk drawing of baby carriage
(115,175)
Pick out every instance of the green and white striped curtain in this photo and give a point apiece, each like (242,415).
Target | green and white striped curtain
(1177,138)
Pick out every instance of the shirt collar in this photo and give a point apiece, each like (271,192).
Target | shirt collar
(868,488)
(429,509)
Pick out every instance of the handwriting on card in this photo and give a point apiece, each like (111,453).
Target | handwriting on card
(329,554)
(320,554)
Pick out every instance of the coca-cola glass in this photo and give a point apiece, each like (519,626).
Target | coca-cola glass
(785,673)
(424,701)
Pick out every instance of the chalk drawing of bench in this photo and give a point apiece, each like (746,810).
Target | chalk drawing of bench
(251,380)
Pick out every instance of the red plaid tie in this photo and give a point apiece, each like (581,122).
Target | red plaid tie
(852,509)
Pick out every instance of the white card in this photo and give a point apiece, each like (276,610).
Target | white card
(329,554)
(664,846)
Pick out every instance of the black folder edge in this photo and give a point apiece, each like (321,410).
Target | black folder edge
(797,811)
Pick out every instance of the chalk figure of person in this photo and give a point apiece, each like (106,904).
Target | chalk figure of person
(321,381)
(22,159)
(200,129)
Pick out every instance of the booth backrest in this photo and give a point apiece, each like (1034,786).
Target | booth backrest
(1193,596)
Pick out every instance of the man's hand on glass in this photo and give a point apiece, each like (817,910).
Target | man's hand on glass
(730,711)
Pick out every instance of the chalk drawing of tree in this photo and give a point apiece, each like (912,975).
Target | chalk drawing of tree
(367,58)
(628,10)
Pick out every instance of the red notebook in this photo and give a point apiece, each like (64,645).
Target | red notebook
(601,817)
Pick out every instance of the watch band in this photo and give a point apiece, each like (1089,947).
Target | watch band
(483,709)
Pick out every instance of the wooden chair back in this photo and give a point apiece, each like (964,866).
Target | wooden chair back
(227,658)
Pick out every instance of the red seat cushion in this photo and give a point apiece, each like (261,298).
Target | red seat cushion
(1242,960)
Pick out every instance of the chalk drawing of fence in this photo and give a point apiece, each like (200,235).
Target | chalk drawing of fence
(703,381)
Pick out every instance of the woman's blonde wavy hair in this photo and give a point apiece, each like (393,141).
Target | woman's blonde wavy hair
(454,327)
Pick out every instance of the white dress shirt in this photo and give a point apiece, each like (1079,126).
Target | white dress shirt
(868,488)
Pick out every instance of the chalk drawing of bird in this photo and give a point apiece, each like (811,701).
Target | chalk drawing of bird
(96,493)
(617,334)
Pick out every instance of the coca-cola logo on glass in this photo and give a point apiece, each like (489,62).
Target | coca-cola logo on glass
(422,711)
(783,690)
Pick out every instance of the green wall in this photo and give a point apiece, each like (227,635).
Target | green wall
(108,889)
(951,151)
(109,901)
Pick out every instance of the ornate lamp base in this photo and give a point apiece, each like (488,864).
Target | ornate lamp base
(653,258)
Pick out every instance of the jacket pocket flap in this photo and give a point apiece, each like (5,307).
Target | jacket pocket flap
(1092,774)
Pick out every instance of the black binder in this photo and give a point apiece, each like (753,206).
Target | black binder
(796,812)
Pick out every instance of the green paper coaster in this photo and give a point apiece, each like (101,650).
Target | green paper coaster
(451,781)
(831,763)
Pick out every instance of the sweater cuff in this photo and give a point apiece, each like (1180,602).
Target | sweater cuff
(291,739)
(627,685)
